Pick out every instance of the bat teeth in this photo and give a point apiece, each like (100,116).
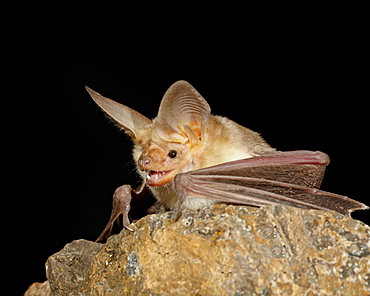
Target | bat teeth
(151,176)
(159,178)
(155,175)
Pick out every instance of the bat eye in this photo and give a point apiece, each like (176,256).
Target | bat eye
(172,154)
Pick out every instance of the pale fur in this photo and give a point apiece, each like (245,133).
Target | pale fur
(222,140)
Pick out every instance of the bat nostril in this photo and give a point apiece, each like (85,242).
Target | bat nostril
(144,161)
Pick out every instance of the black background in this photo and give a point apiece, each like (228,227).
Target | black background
(301,87)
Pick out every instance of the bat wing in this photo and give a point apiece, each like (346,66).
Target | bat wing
(122,199)
(289,178)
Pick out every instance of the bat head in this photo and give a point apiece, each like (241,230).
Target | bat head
(165,144)
(159,163)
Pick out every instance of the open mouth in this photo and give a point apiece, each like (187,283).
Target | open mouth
(159,178)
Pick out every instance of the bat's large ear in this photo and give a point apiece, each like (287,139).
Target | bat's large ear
(182,114)
(130,120)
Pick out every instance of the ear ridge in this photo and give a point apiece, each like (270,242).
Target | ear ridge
(182,105)
(130,120)
(192,136)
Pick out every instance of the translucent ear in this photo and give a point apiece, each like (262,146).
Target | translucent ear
(182,114)
(130,120)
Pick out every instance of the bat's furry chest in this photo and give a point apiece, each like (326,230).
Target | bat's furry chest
(167,195)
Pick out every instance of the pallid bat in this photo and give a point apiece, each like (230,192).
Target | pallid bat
(189,158)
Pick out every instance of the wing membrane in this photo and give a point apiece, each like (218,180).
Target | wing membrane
(288,178)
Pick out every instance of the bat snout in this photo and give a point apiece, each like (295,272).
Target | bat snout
(153,159)
(144,162)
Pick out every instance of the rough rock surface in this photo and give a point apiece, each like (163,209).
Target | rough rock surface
(68,269)
(38,289)
(222,250)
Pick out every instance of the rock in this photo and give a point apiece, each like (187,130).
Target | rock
(222,250)
(39,289)
(67,270)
